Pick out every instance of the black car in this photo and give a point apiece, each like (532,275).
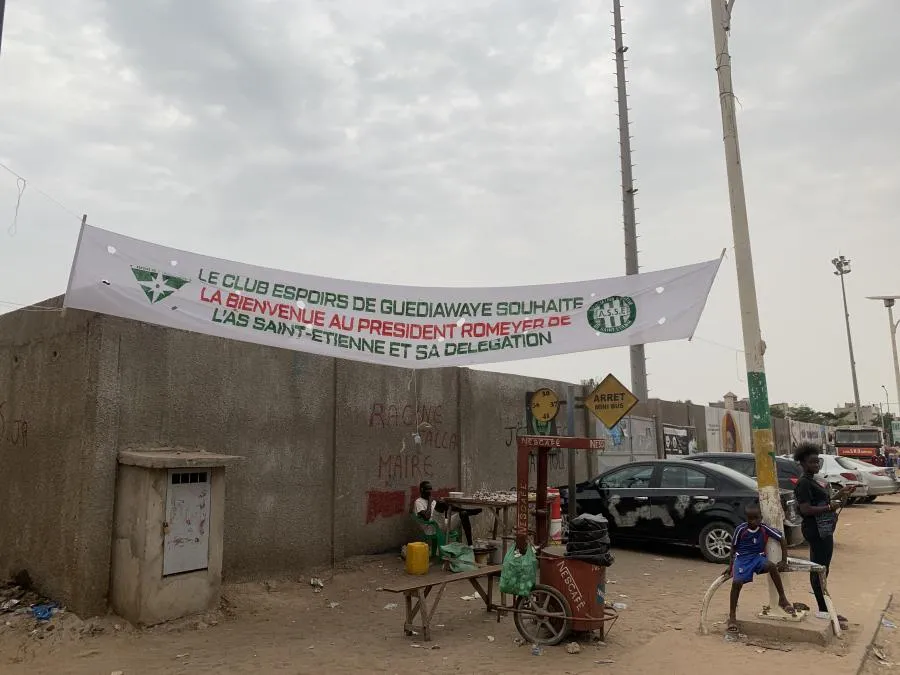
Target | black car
(676,501)
(789,471)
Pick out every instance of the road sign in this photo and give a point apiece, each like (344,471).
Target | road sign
(544,405)
(895,431)
(610,401)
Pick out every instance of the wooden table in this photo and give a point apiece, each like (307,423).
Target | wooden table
(500,509)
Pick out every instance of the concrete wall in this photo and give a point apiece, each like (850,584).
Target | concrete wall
(332,466)
(275,407)
(493,407)
(782,430)
(378,465)
(56,455)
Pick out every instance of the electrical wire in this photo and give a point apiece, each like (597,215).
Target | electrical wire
(21,184)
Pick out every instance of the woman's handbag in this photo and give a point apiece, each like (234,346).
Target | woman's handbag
(826,523)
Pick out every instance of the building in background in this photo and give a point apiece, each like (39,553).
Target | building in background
(731,402)
(783,408)
(847,413)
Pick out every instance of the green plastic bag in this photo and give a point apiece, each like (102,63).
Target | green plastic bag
(519,574)
(460,556)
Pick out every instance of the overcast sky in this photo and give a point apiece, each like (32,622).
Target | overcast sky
(474,143)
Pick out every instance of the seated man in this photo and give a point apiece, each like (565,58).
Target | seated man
(425,507)
(748,558)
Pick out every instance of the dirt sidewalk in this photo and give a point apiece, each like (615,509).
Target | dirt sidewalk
(350,627)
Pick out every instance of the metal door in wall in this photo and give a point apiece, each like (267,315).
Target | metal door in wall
(186,542)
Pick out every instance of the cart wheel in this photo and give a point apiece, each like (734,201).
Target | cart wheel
(551,621)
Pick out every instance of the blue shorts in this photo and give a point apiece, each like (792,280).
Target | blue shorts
(745,566)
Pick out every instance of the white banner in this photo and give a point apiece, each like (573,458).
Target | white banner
(393,325)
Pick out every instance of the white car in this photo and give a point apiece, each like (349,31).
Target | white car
(836,473)
(877,478)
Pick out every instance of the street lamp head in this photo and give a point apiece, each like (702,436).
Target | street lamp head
(842,265)
(888,300)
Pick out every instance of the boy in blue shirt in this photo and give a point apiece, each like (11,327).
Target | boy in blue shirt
(748,558)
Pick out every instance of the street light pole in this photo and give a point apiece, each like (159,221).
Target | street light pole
(889,301)
(754,347)
(842,268)
(893,324)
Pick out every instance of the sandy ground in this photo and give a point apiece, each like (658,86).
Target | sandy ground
(884,653)
(284,627)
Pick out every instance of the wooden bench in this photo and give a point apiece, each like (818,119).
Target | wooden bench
(416,592)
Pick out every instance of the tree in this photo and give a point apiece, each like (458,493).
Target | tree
(803,413)
(830,419)
(888,418)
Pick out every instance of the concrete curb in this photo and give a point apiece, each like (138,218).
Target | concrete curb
(861,652)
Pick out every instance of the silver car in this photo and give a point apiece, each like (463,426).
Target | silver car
(877,478)
(836,473)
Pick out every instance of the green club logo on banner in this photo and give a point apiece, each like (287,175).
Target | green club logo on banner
(157,285)
(613,314)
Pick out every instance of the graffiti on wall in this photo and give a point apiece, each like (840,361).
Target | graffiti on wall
(391,503)
(404,466)
(407,461)
(512,427)
(425,419)
(13,428)
(556,461)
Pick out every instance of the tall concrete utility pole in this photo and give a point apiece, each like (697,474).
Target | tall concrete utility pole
(638,356)
(754,347)
(889,301)
(842,268)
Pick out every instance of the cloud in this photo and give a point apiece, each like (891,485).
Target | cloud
(473,143)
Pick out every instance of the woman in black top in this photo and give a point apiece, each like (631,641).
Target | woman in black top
(819,517)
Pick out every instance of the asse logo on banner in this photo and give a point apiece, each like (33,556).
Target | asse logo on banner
(613,314)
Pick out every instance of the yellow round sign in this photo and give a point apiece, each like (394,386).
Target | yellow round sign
(544,405)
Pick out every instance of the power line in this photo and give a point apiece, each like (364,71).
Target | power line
(22,183)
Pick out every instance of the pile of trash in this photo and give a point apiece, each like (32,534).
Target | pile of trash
(589,541)
(17,598)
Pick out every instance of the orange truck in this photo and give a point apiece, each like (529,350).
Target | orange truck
(864,443)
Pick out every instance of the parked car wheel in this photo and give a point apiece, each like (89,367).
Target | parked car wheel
(715,542)
(869,500)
